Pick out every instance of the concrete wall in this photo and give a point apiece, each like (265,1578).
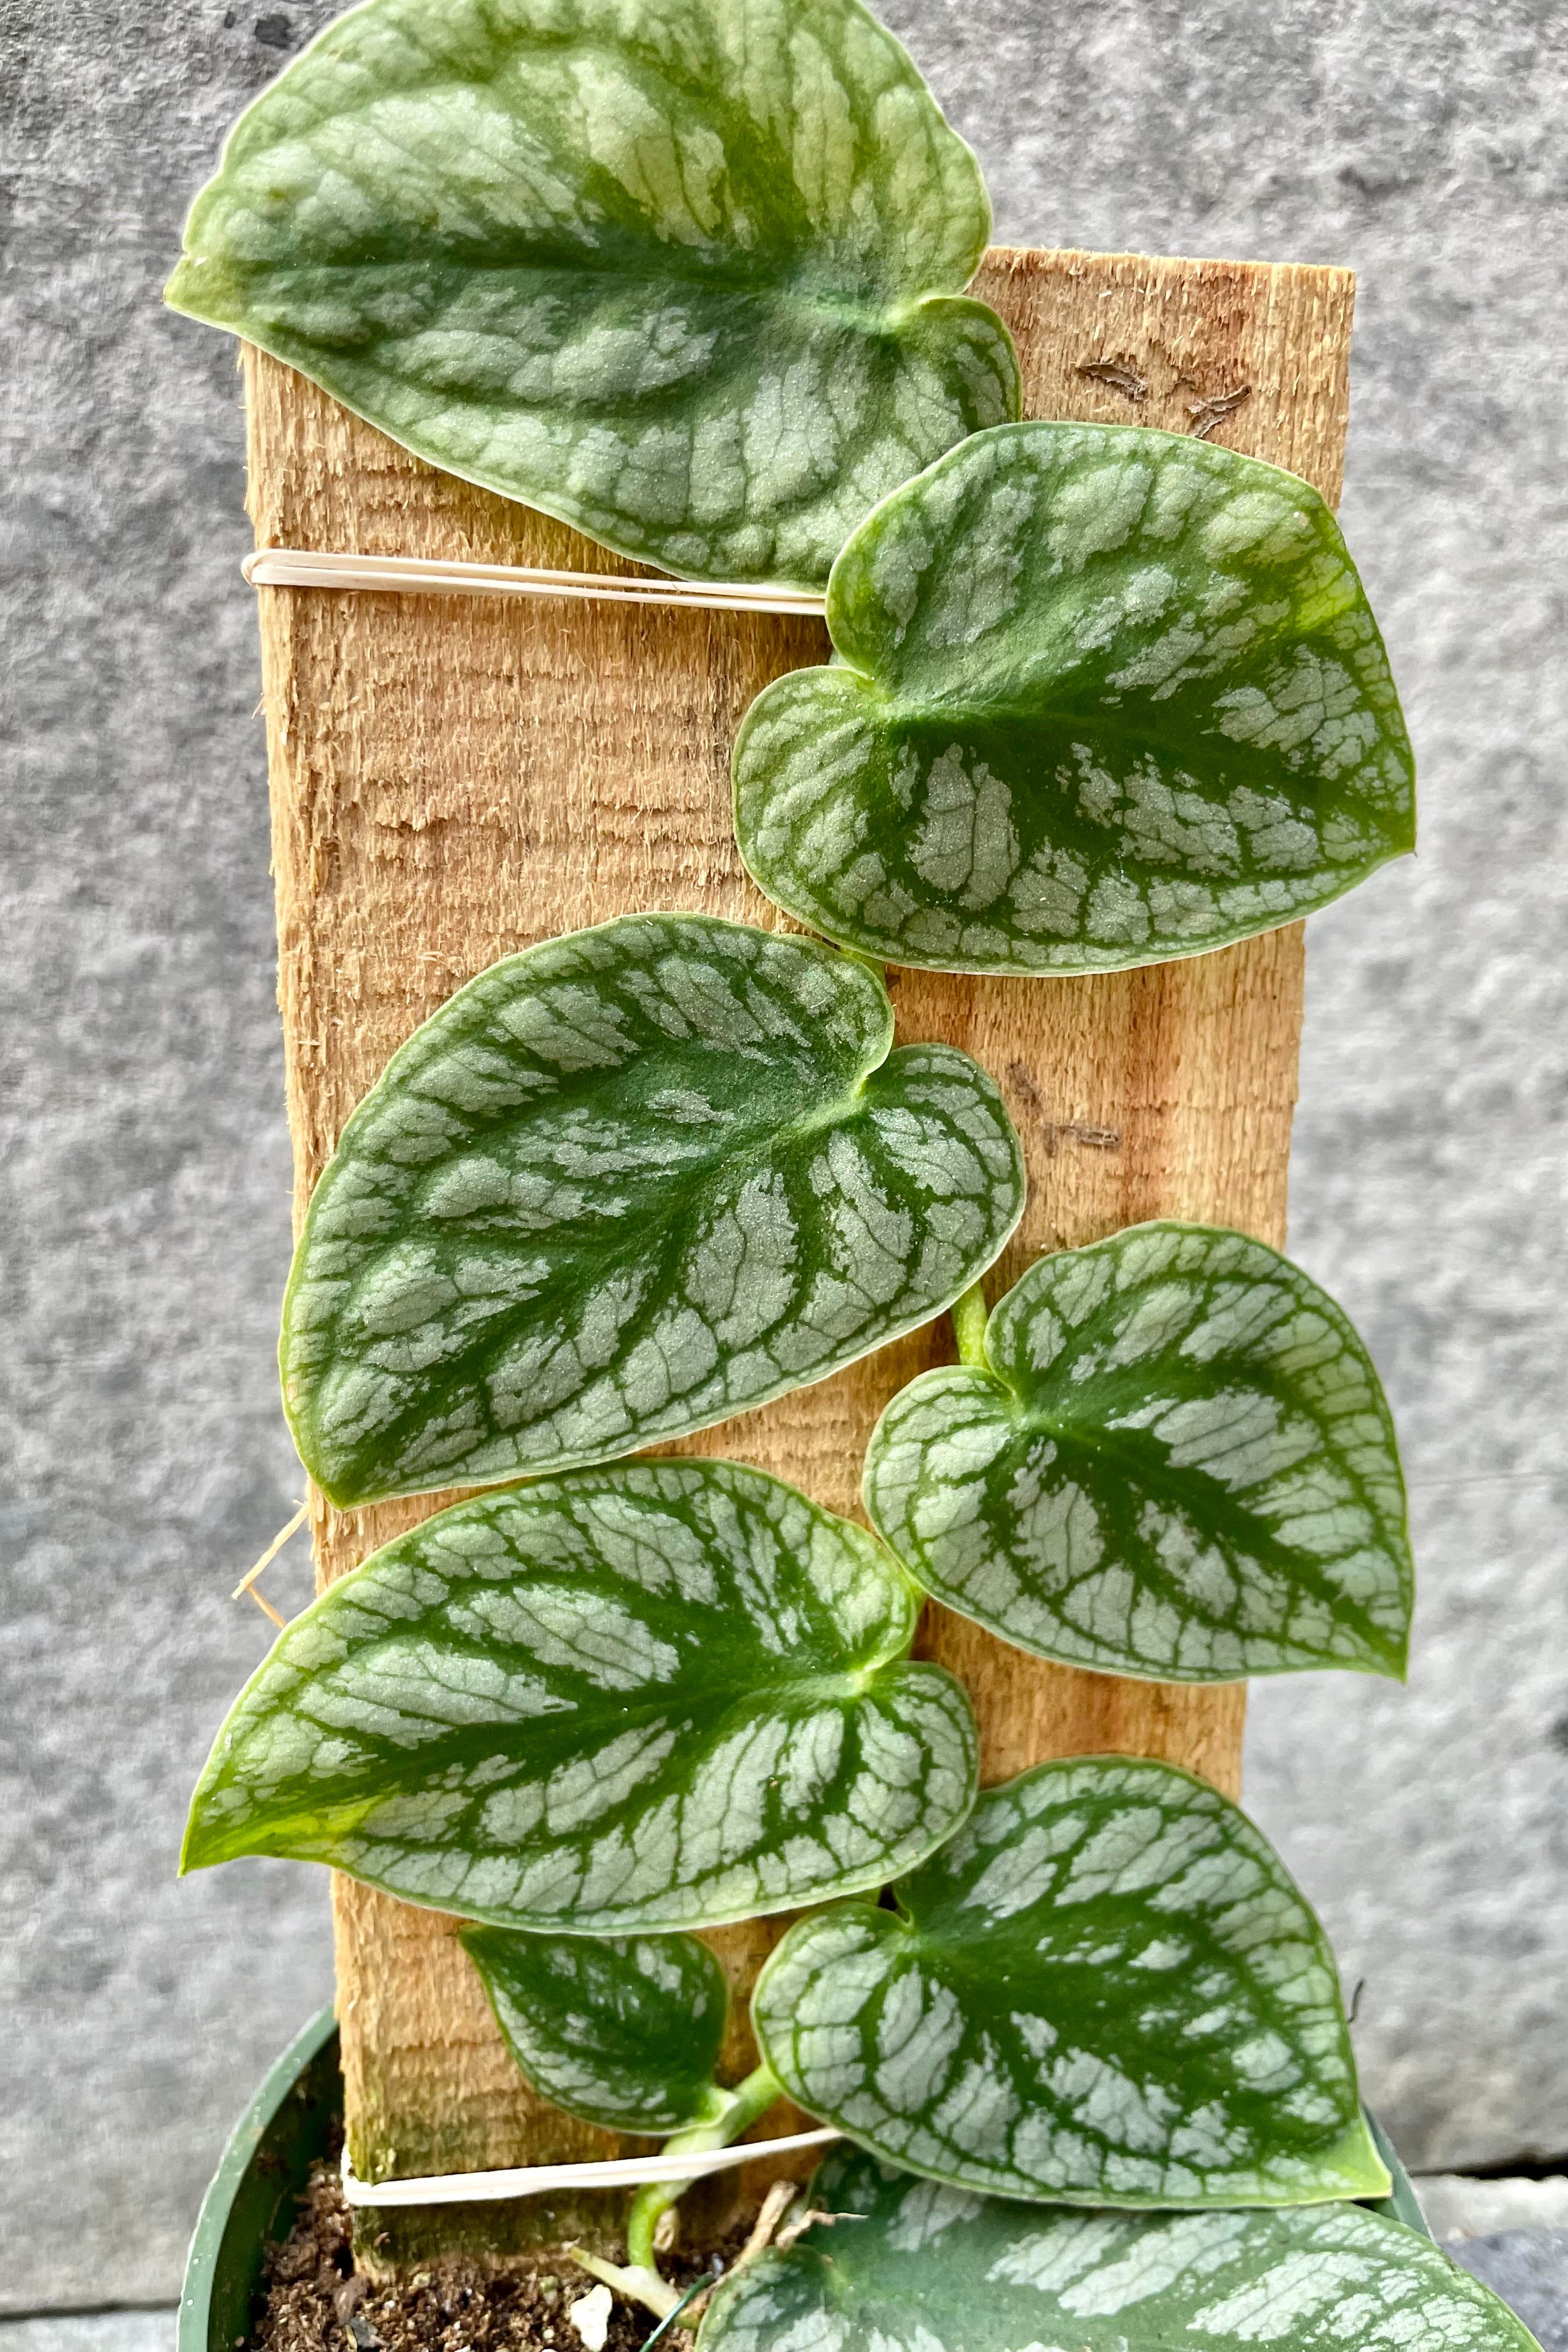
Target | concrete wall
(145,1214)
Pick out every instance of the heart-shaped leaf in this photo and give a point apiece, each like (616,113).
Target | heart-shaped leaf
(622,1186)
(623,2031)
(666,1696)
(1176,1461)
(684,273)
(1107,1990)
(908,2267)
(1104,695)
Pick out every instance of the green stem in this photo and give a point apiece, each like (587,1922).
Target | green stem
(636,2281)
(969,1320)
(743,2107)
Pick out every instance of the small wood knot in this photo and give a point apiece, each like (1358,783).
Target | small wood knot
(1119,377)
(1206,413)
(1054,1130)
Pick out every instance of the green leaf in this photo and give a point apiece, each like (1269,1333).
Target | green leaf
(911,2267)
(1103,697)
(685,273)
(1401,2204)
(621,1187)
(1107,1990)
(1175,1461)
(624,2031)
(666,1696)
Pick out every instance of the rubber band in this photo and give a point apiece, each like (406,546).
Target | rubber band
(420,575)
(535,2179)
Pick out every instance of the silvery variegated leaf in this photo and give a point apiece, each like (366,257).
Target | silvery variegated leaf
(660,1696)
(1106,1990)
(620,1187)
(624,2030)
(1175,1461)
(910,2266)
(1103,697)
(685,273)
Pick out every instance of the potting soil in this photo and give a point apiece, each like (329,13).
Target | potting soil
(313,2300)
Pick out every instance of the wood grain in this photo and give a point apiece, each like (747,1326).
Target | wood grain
(454,779)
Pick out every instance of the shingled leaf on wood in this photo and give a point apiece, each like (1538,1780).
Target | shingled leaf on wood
(685,273)
(910,2266)
(660,1696)
(624,2030)
(624,1185)
(1175,1461)
(1103,697)
(1106,1990)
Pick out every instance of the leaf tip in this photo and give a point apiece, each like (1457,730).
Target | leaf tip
(198,1845)
(1388,1654)
(1359,2167)
(213,1832)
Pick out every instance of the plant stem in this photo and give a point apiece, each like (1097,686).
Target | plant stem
(638,2282)
(969,1325)
(745,2104)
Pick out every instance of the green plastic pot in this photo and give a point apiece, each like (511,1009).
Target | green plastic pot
(290,2124)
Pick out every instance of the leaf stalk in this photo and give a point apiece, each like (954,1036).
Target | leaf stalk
(638,2282)
(969,1320)
(743,2105)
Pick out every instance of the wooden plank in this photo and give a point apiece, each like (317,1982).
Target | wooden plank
(454,779)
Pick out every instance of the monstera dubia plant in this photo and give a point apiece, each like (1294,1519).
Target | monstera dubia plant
(689,274)
(1082,2028)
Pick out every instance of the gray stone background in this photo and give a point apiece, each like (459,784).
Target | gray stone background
(145,1168)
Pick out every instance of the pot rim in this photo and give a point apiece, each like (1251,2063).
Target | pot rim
(283,2131)
(263,2168)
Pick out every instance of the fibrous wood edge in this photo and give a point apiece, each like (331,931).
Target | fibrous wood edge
(454,779)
